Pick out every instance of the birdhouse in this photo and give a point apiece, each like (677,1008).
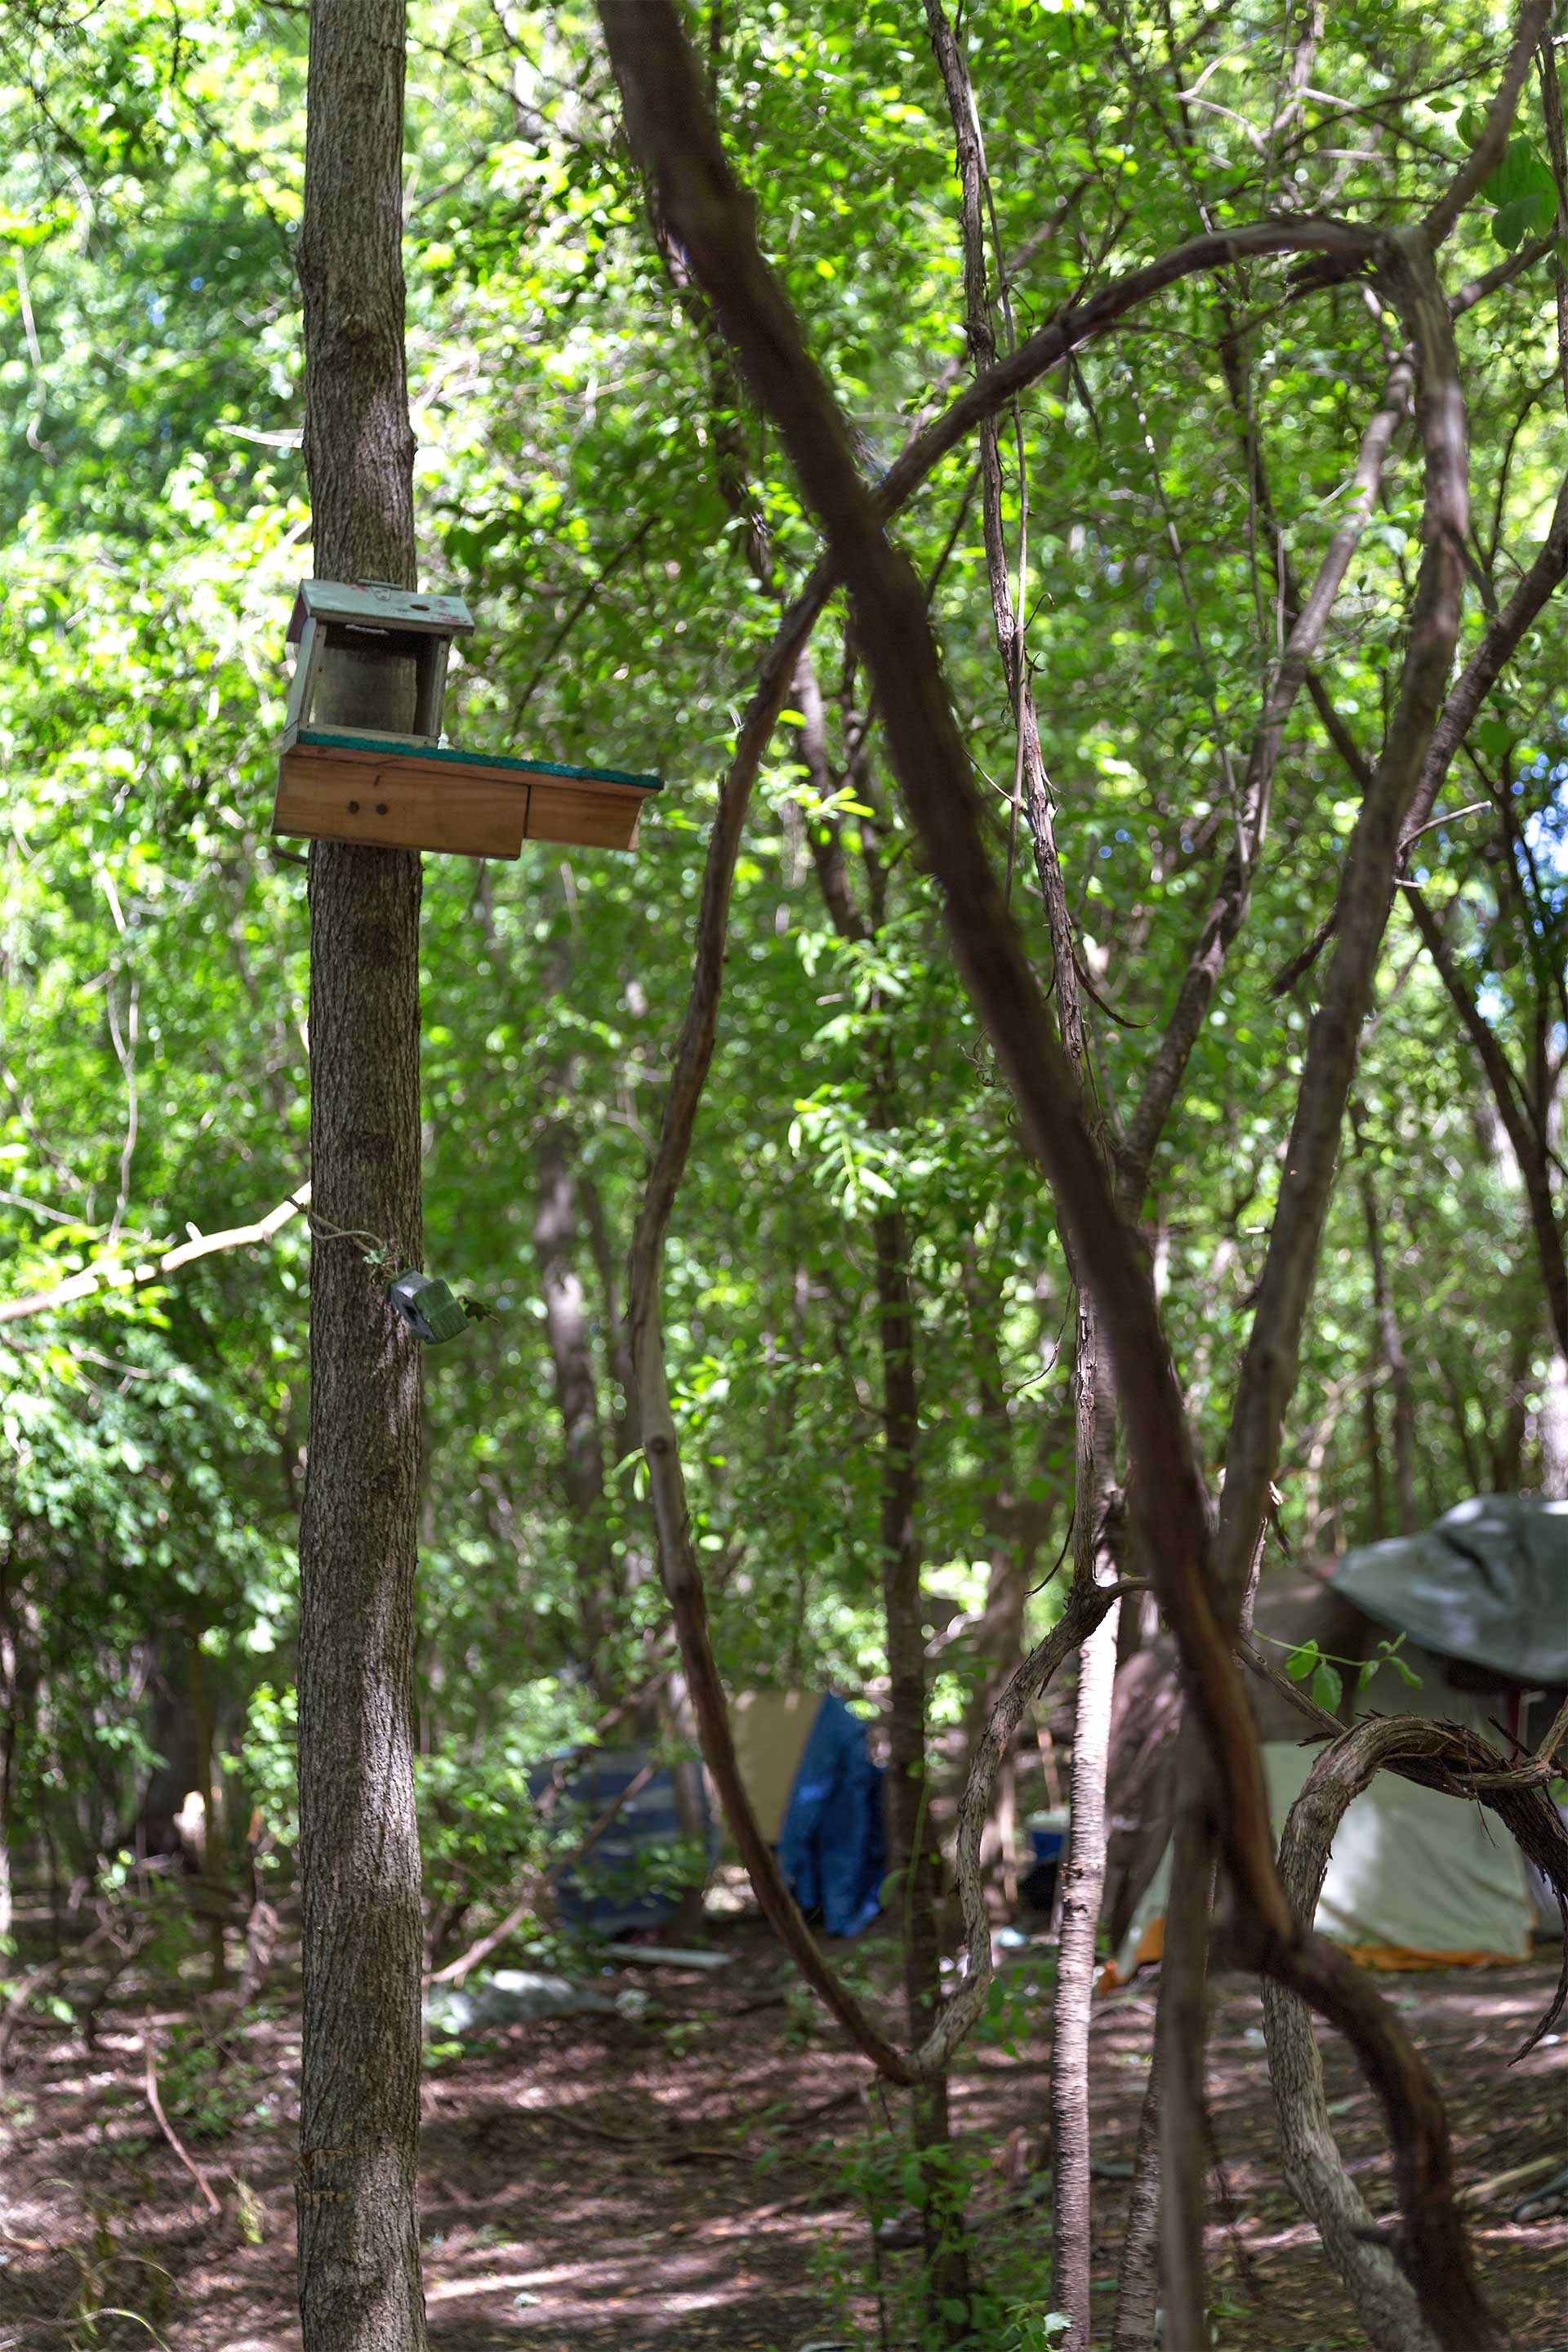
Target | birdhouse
(428,1308)
(362,759)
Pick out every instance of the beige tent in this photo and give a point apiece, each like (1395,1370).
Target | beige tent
(1415,1879)
(771,1730)
(807,1765)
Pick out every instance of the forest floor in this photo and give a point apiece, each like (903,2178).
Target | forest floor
(699,2174)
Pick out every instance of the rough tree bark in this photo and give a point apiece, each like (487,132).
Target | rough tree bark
(1390,1347)
(1138,2271)
(359,1850)
(10,1693)
(915,1851)
(1083,1883)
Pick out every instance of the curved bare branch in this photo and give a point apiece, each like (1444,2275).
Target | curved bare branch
(673,134)
(1487,152)
(1438,1755)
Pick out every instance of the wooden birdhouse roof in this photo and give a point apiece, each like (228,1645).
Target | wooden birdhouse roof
(371,604)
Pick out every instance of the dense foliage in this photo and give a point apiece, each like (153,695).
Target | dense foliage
(627,535)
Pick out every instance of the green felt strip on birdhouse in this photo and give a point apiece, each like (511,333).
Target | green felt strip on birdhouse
(428,1308)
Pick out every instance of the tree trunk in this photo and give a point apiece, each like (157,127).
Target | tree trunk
(617,1339)
(1551,1431)
(1377,1480)
(1459,1409)
(1393,1358)
(556,1233)
(359,1848)
(1137,2275)
(1181,2037)
(1385,2302)
(1083,1879)
(916,1855)
(212,1899)
(9,1698)
(1145,1721)
(997,1638)
(1507,1447)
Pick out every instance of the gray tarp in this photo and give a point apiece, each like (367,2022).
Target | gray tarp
(1488,1583)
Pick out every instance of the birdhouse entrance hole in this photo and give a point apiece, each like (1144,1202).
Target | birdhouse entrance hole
(362,756)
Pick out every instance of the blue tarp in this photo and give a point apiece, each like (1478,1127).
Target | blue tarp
(833,1847)
(603,1891)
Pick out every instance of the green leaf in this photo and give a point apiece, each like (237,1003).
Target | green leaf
(1328,1687)
(1301,1662)
(1512,223)
(1521,174)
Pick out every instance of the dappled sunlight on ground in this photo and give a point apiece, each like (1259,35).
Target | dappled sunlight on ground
(599,2185)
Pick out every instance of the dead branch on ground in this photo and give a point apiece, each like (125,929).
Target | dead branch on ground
(150,2081)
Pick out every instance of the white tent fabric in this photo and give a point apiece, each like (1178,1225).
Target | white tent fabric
(1413,1871)
(1413,1877)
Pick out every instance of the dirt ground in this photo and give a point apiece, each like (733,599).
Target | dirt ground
(690,2177)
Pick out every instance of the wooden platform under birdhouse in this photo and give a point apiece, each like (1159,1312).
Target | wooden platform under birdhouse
(390,795)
